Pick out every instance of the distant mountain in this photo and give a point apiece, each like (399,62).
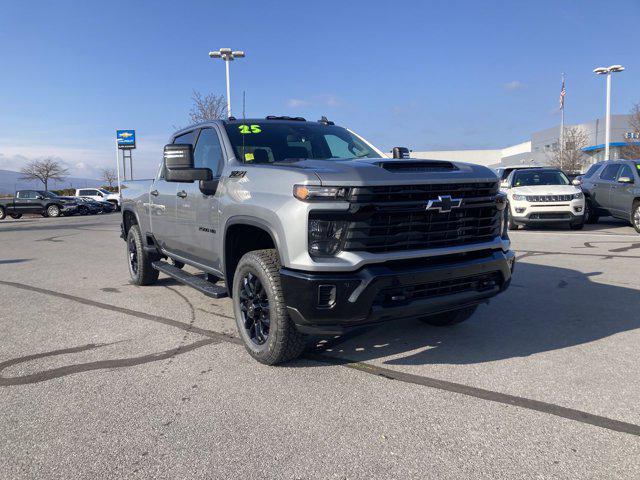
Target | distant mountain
(10,182)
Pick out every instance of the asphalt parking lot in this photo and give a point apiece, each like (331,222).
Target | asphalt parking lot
(103,379)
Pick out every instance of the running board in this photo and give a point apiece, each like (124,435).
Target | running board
(204,286)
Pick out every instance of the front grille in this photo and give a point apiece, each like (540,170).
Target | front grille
(549,198)
(476,283)
(392,218)
(550,216)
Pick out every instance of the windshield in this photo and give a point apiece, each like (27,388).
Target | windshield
(103,191)
(269,142)
(531,178)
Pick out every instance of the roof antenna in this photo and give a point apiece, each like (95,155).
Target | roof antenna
(243,105)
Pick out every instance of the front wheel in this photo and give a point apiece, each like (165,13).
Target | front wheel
(15,216)
(263,323)
(590,215)
(635,216)
(140,268)
(53,211)
(510,223)
(445,319)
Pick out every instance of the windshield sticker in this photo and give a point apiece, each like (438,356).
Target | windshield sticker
(248,157)
(244,129)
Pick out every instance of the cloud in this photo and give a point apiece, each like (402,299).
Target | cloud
(513,86)
(324,100)
(297,103)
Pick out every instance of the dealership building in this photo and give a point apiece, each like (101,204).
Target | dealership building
(539,149)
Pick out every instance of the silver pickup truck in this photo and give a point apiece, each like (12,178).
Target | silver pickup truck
(310,230)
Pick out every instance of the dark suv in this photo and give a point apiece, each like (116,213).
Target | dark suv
(613,188)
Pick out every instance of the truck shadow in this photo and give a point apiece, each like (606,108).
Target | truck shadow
(546,308)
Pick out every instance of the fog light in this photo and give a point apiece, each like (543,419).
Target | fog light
(326,296)
(520,210)
(577,209)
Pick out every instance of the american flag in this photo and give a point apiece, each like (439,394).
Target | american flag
(563,92)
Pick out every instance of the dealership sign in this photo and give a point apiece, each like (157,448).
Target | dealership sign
(632,135)
(126,138)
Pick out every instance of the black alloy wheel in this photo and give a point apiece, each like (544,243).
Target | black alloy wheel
(254,307)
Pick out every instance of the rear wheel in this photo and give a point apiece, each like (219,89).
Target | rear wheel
(15,216)
(449,318)
(140,268)
(3,213)
(635,215)
(263,323)
(53,211)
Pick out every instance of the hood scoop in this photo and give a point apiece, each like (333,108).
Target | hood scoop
(400,166)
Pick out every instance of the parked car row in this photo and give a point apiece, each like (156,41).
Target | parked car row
(48,204)
(547,195)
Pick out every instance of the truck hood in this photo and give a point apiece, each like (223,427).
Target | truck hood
(546,190)
(385,171)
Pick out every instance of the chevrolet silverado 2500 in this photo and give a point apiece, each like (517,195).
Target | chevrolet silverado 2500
(309,230)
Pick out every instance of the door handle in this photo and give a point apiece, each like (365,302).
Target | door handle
(182,194)
(154,193)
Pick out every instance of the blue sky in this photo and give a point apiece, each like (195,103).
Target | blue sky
(427,75)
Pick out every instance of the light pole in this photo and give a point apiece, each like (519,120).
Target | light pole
(608,71)
(227,55)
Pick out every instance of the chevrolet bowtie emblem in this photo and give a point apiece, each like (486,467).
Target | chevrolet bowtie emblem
(444,203)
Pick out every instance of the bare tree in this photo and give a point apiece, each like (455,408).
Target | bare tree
(108,175)
(44,170)
(570,157)
(633,151)
(208,107)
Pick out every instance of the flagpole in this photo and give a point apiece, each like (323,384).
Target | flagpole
(562,127)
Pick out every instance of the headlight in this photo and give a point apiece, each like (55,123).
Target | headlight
(518,198)
(578,195)
(325,236)
(312,193)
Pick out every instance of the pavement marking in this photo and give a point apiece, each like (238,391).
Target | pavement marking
(480,393)
(576,234)
(606,256)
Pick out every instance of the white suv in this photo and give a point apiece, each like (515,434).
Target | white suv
(99,194)
(541,196)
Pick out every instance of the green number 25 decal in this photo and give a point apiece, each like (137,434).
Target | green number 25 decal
(249,129)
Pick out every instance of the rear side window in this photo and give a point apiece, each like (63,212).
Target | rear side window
(27,194)
(610,172)
(592,169)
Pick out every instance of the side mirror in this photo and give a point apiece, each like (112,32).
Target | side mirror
(576,182)
(401,152)
(39,197)
(504,184)
(625,180)
(178,163)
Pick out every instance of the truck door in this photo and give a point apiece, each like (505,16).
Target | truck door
(621,196)
(197,213)
(27,202)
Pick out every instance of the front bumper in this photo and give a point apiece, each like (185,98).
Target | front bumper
(527,213)
(393,290)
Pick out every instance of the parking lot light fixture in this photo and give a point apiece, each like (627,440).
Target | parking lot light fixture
(227,55)
(608,71)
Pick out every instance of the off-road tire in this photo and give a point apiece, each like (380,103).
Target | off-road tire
(15,216)
(143,273)
(53,211)
(3,213)
(283,341)
(635,215)
(590,216)
(445,319)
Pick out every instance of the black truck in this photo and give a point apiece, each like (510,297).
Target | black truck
(47,204)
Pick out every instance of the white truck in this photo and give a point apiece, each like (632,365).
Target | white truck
(99,194)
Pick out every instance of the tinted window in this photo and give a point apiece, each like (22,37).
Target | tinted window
(626,171)
(530,178)
(592,169)
(189,137)
(280,141)
(27,194)
(208,152)
(610,172)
